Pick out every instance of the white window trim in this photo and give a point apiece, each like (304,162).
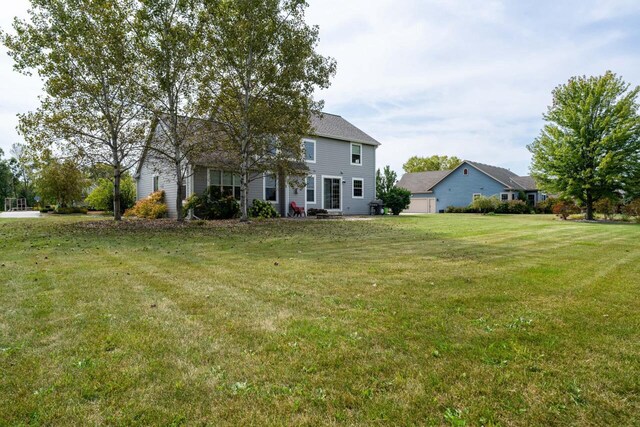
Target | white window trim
(322,193)
(352,188)
(264,189)
(315,151)
(351,154)
(222,178)
(473,197)
(153,181)
(504,194)
(315,191)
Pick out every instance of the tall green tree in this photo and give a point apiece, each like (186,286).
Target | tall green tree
(590,146)
(431,163)
(83,51)
(385,181)
(257,82)
(169,39)
(61,182)
(6,179)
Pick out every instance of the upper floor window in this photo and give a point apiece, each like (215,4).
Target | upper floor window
(309,150)
(227,182)
(358,188)
(356,154)
(270,188)
(466,171)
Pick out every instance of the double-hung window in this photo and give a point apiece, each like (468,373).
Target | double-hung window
(504,197)
(356,154)
(309,150)
(270,188)
(156,183)
(358,188)
(311,189)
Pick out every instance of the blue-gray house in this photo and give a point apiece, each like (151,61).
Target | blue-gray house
(434,191)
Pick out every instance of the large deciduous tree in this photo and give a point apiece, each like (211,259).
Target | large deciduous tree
(431,163)
(168,36)
(258,79)
(82,50)
(590,146)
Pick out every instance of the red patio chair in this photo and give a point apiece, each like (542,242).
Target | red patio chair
(297,210)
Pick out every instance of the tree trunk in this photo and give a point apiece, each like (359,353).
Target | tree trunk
(116,194)
(589,203)
(179,181)
(244,195)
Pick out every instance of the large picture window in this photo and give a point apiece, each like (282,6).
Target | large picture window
(227,182)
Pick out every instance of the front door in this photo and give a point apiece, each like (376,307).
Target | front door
(331,191)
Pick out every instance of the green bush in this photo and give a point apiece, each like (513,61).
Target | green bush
(101,197)
(546,206)
(513,207)
(262,209)
(314,211)
(151,207)
(606,207)
(212,204)
(397,199)
(69,210)
(484,204)
(459,209)
(632,209)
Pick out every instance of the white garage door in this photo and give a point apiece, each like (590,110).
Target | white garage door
(422,205)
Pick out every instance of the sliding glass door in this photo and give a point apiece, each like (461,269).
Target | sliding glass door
(331,191)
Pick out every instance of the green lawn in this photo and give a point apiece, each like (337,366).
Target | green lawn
(425,320)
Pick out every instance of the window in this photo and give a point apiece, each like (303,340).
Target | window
(514,196)
(227,182)
(504,197)
(311,189)
(309,150)
(543,197)
(465,171)
(476,195)
(183,191)
(531,199)
(358,188)
(356,154)
(156,183)
(270,188)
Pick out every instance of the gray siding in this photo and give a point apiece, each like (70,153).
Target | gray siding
(333,158)
(167,182)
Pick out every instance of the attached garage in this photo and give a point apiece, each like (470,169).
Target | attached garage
(422,205)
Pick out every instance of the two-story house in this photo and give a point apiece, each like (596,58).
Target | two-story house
(341,178)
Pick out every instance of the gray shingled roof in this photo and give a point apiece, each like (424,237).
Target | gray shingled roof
(336,127)
(421,182)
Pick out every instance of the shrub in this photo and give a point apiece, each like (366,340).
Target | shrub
(69,210)
(151,207)
(213,205)
(632,209)
(262,209)
(546,206)
(459,209)
(565,208)
(606,207)
(314,211)
(101,197)
(513,207)
(397,199)
(484,204)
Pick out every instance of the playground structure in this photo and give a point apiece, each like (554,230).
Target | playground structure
(12,204)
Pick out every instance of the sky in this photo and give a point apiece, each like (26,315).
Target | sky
(467,78)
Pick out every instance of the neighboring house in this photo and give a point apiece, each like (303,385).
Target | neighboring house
(434,191)
(340,158)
